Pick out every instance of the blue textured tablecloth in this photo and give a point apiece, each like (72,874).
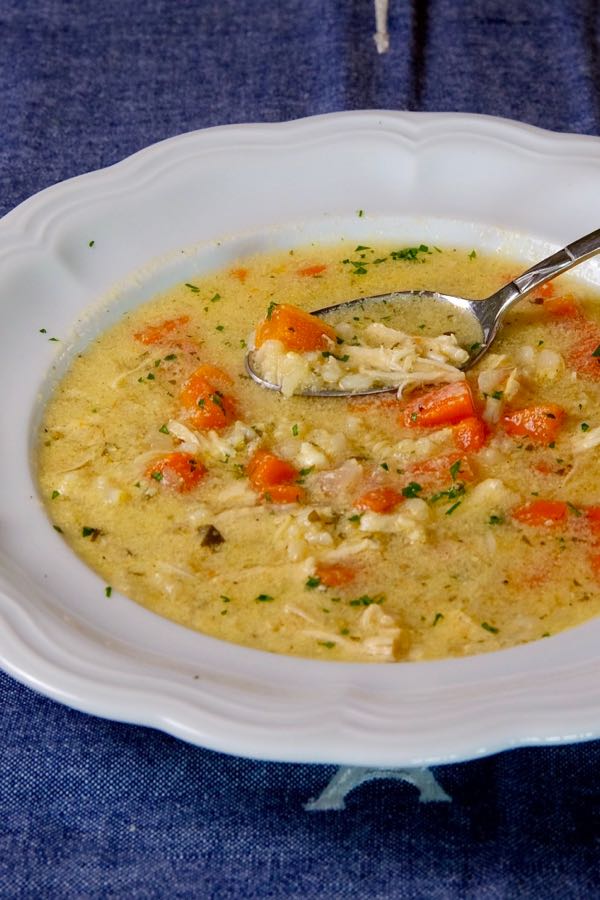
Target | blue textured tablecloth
(89,808)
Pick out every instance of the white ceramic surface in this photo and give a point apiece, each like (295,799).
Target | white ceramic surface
(164,214)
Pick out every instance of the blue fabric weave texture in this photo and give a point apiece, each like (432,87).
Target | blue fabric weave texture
(94,809)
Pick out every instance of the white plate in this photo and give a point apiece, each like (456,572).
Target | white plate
(449,178)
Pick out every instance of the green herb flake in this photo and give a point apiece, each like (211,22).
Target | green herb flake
(243,344)
(412,489)
(55,494)
(108,590)
(360,213)
(438,617)
(497,395)
(385,466)
(158,476)
(361,247)
(53,339)
(574,509)
(365,600)
(270,309)
(355,518)
(217,399)
(584,426)
(88,531)
(163,429)
(495,519)
(170,357)
(312,582)
(453,507)
(455,469)
(192,288)
(215,297)
(295,430)
(220,327)
(91,243)
(150,376)
(43,330)
(472,255)
(225,599)
(596,351)
(328,644)
(264,598)
(491,628)
(58,528)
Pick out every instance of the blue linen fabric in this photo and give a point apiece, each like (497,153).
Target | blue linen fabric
(90,808)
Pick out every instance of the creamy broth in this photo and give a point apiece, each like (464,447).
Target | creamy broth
(494,539)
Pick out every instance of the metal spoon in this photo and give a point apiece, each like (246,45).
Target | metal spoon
(483,318)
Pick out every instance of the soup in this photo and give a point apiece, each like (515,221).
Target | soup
(451,520)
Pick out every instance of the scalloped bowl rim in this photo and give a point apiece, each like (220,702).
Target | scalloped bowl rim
(153,218)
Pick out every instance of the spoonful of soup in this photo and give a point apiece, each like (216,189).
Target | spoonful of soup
(428,337)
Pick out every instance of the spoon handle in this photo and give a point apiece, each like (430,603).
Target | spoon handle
(491,312)
(559,262)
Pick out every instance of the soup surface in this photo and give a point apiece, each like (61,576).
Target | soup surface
(455,519)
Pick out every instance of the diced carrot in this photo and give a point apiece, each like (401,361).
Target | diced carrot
(295,328)
(541,512)
(161,332)
(266,470)
(203,395)
(584,355)
(179,471)
(380,500)
(470,434)
(594,561)
(312,270)
(441,406)
(334,574)
(440,470)
(283,493)
(241,274)
(565,306)
(540,424)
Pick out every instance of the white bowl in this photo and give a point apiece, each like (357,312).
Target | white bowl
(162,215)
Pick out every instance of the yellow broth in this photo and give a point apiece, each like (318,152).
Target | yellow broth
(450,572)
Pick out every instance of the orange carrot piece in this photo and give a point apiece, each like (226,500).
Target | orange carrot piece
(470,434)
(441,406)
(161,332)
(540,424)
(203,395)
(584,356)
(241,274)
(296,329)
(312,270)
(283,493)
(541,512)
(546,290)
(179,471)
(266,470)
(334,574)
(440,470)
(380,500)
(565,306)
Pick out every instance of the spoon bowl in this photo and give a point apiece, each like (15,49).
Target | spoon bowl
(474,322)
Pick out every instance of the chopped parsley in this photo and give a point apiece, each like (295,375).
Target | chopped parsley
(584,426)
(413,489)
(312,582)
(410,253)
(328,644)
(88,531)
(472,255)
(491,628)
(163,429)
(215,297)
(270,309)
(596,351)
(192,288)
(91,243)
(365,600)
(453,507)
(170,356)
(495,519)
(158,476)
(108,590)
(220,327)
(455,469)
(55,494)
(264,598)
(438,617)
(295,430)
